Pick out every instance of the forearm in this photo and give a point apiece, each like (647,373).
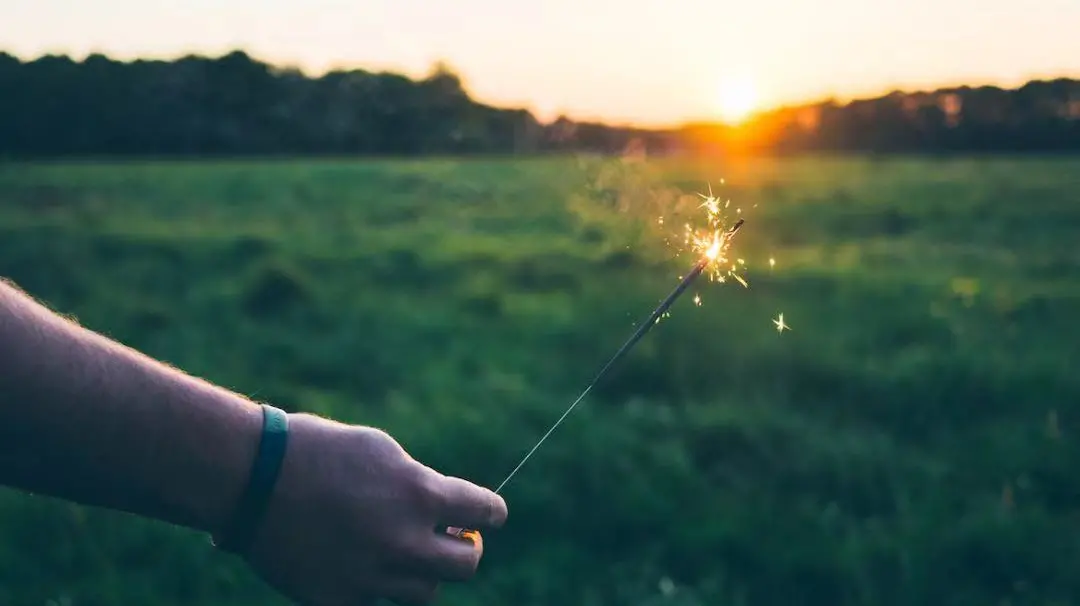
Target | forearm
(89,420)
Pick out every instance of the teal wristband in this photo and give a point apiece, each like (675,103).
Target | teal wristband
(240,532)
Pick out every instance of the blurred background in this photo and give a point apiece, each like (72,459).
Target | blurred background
(442,218)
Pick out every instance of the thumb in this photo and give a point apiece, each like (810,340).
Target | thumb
(466,505)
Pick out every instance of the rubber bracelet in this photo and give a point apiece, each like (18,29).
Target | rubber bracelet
(240,532)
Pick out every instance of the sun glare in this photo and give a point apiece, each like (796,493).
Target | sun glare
(737,100)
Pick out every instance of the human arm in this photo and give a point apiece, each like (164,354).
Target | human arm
(89,420)
(352,515)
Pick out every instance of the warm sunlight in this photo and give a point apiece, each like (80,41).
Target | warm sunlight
(738,98)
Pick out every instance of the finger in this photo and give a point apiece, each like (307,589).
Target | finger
(408,590)
(439,555)
(467,505)
(434,553)
(455,558)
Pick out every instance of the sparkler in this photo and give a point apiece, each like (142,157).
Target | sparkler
(713,253)
(711,247)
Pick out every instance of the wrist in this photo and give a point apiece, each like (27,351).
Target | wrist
(238,532)
(226,458)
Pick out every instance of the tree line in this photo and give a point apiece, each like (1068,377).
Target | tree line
(54,106)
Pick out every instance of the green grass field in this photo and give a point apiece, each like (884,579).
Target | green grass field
(912,440)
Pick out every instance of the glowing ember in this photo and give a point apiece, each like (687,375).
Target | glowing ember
(714,249)
(780,326)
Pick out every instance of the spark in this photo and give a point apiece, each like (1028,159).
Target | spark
(711,204)
(772,262)
(697,300)
(711,243)
(780,326)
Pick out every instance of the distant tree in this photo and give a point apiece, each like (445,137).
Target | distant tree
(235,104)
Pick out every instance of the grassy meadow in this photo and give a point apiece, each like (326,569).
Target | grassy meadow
(912,440)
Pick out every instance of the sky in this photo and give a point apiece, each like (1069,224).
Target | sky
(648,62)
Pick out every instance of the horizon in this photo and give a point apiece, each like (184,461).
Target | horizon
(856,51)
(598,119)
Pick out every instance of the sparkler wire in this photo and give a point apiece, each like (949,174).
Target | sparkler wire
(626,347)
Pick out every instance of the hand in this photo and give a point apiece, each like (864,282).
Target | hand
(353,518)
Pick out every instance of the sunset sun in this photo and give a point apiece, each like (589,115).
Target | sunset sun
(737,99)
